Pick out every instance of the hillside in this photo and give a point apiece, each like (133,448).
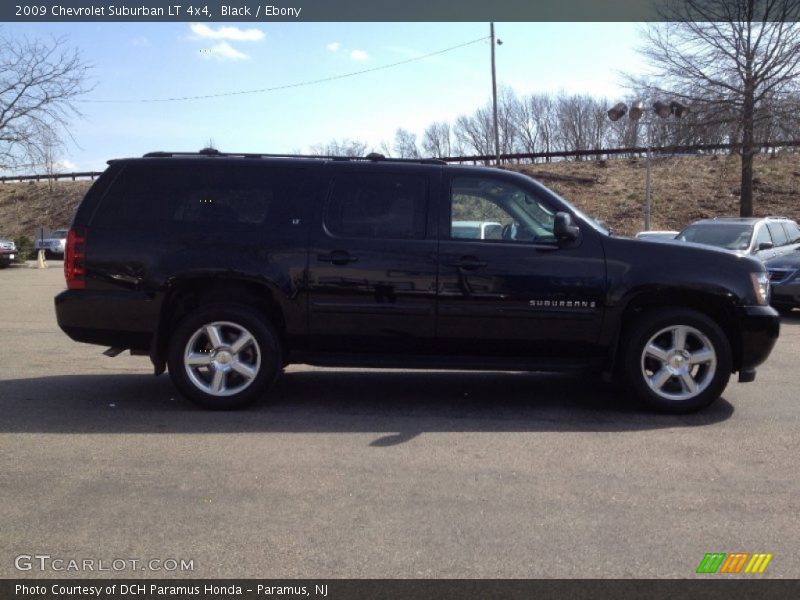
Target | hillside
(24,207)
(685,188)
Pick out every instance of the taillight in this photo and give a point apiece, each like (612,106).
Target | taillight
(75,258)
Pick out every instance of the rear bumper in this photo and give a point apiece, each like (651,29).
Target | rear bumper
(759,326)
(119,319)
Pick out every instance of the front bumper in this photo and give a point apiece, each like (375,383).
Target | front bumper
(759,326)
(6,258)
(786,294)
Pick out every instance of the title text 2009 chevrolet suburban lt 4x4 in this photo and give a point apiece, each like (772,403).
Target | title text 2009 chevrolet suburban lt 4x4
(225,268)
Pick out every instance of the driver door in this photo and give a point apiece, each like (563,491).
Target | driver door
(518,294)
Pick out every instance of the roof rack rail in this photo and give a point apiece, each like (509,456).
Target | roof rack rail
(372,157)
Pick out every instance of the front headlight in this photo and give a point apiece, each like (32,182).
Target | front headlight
(761,287)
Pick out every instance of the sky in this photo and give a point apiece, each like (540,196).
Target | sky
(135,63)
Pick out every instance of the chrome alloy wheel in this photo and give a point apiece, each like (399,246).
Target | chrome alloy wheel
(678,362)
(222,358)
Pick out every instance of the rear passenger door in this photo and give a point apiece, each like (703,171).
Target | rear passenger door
(372,261)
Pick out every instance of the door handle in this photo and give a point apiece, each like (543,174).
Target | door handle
(337,257)
(469,263)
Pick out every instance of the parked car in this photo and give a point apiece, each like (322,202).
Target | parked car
(784,279)
(54,244)
(8,252)
(477,230)
(763,238)
(657,235)
(225,268)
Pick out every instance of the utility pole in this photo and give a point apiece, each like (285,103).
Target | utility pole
(494,97)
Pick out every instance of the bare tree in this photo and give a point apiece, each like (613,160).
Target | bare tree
(579,126)
(405,144)
(544,113)
(731,56)
(345,147)
(437,141)
(39,83)
(507,107)
(476,133)
(45,151)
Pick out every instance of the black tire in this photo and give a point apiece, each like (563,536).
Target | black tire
(261,358)
(784,309)
(658,329)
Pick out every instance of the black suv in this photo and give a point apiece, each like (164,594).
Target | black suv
(225,268)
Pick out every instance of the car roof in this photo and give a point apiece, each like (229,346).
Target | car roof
(737,220)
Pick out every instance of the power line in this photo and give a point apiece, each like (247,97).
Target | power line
(291,85)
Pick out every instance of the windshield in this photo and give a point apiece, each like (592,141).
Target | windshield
(60,234)
(730,237)
(595,223)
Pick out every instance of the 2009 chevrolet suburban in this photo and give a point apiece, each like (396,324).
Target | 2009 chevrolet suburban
(225,268)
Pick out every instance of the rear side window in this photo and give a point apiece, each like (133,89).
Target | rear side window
(377,205)
(778,234)
(216,196)
(792,231)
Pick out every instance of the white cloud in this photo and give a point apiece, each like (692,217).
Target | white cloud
(226,32)
(65,165)
(222,51)
(359,55)
(333,46)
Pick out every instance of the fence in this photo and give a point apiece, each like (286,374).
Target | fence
(54,176)
(608,152)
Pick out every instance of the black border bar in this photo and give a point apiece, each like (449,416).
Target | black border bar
(710,587)
(331,10)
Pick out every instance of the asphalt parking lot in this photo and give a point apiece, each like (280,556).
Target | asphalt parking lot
(381,474)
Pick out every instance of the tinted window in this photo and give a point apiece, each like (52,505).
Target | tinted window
(215,196)
(377,205)
(732,237)
(506,212)
(778,234)
(792,231)
(465,232)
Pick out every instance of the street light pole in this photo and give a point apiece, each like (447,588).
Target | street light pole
(663,110)
(494,96)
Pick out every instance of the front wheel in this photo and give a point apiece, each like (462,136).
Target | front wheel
(677,360)
(224,357)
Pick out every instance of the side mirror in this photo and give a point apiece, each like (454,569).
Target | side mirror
(765,246)
(564,229)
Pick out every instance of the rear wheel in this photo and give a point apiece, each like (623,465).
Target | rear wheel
(677,360)
(224,357)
